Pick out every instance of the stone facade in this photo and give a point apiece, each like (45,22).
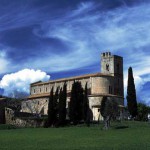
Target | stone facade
(22,119)
(37,106)
(108,83)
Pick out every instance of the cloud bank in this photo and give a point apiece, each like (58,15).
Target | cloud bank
(60,37)
(18,84)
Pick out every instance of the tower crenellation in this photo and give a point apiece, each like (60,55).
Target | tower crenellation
(113,65)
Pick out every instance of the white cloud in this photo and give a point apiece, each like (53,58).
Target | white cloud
(17,84)
(83,7)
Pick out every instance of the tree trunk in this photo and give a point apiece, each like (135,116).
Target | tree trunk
(106,122)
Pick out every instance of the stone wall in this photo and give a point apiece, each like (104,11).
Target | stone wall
(37,106)
(21,121)
(101,85)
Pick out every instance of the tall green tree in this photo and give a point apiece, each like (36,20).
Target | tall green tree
(80,99)
(131,94)
(73,104)
(50,109)
(76,103)
(62,105)
(55,106)
(86,114)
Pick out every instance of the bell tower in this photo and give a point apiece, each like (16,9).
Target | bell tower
(113,65)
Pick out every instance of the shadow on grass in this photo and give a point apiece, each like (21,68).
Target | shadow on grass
(121,127)
(7,127)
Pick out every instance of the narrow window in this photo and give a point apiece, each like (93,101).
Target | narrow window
(34,90)
(118,82)
(118,68)
(46,89)
(109,90)
(107,67)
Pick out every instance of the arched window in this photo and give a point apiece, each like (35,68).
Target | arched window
(118,68)
(107,67)
(109,90)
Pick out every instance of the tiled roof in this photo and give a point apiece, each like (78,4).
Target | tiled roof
(39,95)
(73,78)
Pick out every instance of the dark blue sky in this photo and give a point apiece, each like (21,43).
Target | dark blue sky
(65,38)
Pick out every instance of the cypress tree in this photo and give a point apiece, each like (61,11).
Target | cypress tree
(73,104)
(86,114)
(131,94)
(80,98)
(55,105)
(50,109)
(76,103)
(62,105)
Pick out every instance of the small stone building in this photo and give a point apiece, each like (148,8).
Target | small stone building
(107,83)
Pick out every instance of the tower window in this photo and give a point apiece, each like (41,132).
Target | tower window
(118,68)
(110,90)
(107,67)
(118,82)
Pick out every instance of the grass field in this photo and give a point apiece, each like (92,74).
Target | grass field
(127,135)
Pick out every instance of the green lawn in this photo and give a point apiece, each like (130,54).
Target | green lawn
(135,137)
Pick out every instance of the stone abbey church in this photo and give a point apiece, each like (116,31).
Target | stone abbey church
(107,83)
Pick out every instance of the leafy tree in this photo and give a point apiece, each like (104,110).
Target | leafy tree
(109,109)
(86,115)
(50,109)
(131,94)
(62,105)
(142,112)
